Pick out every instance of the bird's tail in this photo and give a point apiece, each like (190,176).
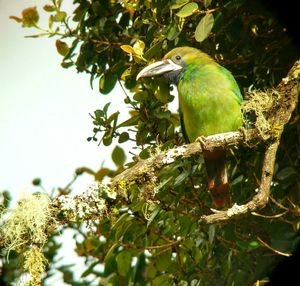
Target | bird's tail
(217,177)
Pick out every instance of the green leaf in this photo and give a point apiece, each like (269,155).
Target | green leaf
(37,181)
(242,244)
(126,74)
(49,8)
(80,11)
(60,16)
(141,96)
(181,177)
(206,3)
(151,271)
(253,244)
(155,212)
(30,17)
(162,92)
(107,82)
(130,122)
(130,82)
(211,233)
(139,47)
(123,137)
(285,173)
(123,262)
(96,7)
(187,10)
(74,46)
(163,114)
(118,156)
(113,117)
(238,277)
(107,138)
(105,108)
(121,220)
(122,225)
(99,113)
(50,22)
(248,245)
(185,225)
(172,32)
(110,252)
(164,182)
(237,180)
(145,154)
(62,47)
(178,4)
(164,260)
(67,64)
(154,51)
(89,270)
(127,49)
(204,27)
(110,264)
(162,280)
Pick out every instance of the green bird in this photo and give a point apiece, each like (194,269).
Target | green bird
(209,103)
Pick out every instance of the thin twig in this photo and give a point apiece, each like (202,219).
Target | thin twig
(273,249)
(269,216)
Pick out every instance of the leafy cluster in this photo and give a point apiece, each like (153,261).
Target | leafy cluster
(151,236)
(111,40)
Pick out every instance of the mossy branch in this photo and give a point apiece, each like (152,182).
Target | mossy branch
(27,228)
(273,110)
(279,115)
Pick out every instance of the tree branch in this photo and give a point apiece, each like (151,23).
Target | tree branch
(288,90)
(259,200)
(276,116)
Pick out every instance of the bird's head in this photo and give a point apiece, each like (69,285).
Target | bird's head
(175,63)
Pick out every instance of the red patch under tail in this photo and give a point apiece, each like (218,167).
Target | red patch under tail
(215,163)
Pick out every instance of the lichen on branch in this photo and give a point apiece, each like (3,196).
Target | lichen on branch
(272,110)
(26,228)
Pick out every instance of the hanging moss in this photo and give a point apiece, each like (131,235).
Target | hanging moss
(25,229)
(257,109)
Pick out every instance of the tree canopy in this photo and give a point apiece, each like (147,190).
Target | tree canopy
(146,226)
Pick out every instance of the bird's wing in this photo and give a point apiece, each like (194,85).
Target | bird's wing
(234,86)
(183,127)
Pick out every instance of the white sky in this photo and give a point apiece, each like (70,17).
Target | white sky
(44,120)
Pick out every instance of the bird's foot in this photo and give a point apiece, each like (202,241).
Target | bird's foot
(215,211)
(202,141)
(244,131)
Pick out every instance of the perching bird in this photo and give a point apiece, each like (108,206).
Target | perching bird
(209,103)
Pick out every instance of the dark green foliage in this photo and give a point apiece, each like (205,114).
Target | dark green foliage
(153,237)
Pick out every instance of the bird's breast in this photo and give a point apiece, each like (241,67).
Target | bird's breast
(209,106)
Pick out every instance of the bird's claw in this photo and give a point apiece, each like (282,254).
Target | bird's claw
(244,131)
(215,211)
(202,141)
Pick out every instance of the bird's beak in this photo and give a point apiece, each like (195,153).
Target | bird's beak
(158,68)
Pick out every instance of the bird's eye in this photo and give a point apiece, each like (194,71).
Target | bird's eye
(178,58)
